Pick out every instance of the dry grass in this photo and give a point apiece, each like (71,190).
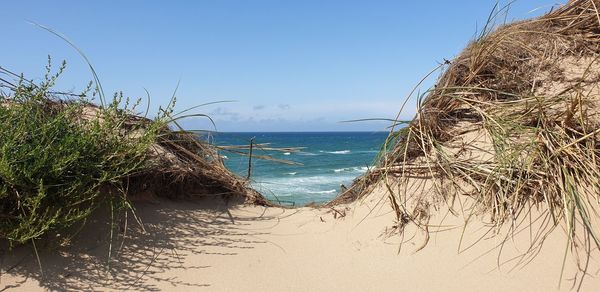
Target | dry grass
(513,123)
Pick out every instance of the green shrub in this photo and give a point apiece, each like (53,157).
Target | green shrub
(61,159)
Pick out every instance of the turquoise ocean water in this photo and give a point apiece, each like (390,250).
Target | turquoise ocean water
(328,160)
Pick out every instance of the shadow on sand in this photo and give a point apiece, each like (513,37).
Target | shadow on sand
(172,230)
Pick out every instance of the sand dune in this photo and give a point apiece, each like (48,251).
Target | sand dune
(213,247)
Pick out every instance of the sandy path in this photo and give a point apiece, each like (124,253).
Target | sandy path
(205,246)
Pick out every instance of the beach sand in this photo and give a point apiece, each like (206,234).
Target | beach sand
(207,245)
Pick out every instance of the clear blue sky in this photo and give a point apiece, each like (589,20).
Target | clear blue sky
(290,65)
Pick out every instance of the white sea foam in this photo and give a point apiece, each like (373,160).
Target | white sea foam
(224,157)
(301,188)
(352,169)
(302,184)
(323,192)
(292,173)
(287,153)
(337,152)
(301,181)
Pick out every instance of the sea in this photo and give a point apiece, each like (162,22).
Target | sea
(326,161)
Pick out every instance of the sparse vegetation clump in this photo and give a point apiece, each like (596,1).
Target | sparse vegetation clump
(61,157)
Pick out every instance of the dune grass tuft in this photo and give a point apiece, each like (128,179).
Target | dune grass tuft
(512,124)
